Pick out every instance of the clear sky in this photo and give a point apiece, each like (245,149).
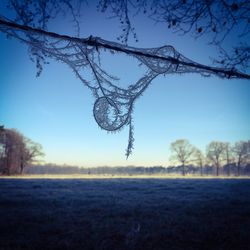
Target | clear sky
(56,109)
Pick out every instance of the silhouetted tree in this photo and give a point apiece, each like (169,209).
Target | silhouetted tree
(12,142)
(215,154)
(241,151)
(28,21)
(30,153)
(199,159)
(182,152)
(228,156)
(17,151)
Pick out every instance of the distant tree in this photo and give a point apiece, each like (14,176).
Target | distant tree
(17,152)
(182,152)
(2,149)
(241,151)
(228,156)
(199,159)
(11,142)
(215,154)
(29,22)
(30,153)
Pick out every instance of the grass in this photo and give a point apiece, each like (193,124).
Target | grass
(124,176)
(124,213)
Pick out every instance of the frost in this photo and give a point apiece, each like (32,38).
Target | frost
(113,106)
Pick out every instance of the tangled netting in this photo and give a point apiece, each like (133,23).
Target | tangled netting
(113,105)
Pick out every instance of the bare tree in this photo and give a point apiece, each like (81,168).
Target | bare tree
(17,152)
(30,153)
(28,21)
(12,143)
(183,152)
(2,149)
(241,151)
(199,158)
(215,154)
(228,156)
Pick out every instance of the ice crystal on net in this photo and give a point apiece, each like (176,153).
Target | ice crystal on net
(113,105)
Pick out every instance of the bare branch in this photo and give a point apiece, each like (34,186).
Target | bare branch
(98,42)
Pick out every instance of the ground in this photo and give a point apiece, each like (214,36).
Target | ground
(131,214)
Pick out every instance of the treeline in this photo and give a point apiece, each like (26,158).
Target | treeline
(221,157)
(127,170)
(135,170)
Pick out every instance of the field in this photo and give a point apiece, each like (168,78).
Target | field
(124,213)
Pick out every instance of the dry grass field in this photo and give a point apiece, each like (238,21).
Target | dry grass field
(124,213)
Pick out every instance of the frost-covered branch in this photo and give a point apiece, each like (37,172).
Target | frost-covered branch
(165,53)
(113,106)
(217,20)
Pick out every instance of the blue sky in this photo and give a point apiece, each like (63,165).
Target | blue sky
(56,109)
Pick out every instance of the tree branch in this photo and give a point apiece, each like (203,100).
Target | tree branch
(97,42)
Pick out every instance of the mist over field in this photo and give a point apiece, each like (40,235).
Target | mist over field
(124,214)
